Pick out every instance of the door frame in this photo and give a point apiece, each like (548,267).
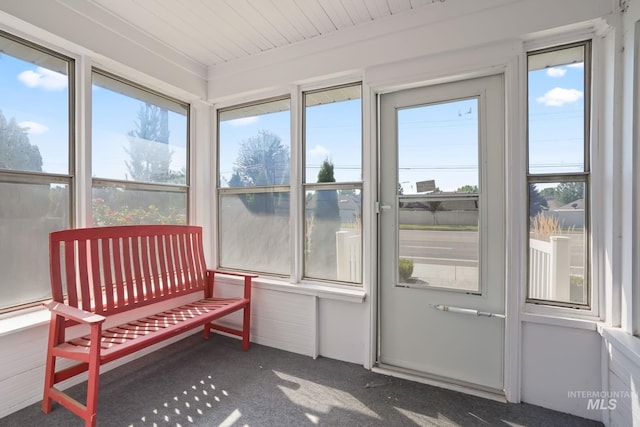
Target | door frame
(515,210)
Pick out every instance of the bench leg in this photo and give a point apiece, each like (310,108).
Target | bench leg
(93,380)
(246,327)
(49,375)
(56,333)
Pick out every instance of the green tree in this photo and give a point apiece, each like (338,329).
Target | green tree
(537,203)
(321,250)
(548,193)
(327,200)
(149,152)
(467,189)
(16,151)
(263,160)
(568,192)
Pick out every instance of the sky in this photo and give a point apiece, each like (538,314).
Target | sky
(332,131)
(37,98)
(437,142)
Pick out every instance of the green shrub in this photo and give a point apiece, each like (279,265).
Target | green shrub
(405,268)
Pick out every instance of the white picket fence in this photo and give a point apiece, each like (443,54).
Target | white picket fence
(549,269)
(349,256)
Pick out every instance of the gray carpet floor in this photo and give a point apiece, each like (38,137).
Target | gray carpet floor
(214,383)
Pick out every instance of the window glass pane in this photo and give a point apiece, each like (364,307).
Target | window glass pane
(254,145)
(34,137)
(333,230)
(25,223)
(333,132)
(137,135)
(558,242)
(438,216)
(117,205)
(34,110)
(253,232)
(557,111)
(438,148)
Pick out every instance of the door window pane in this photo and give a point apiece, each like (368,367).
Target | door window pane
(438,195)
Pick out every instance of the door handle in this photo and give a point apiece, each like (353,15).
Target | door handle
(380,207)
(468,311)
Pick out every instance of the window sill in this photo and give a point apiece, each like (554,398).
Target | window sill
(357,295)
(626,343)
(565,322)
(24,319)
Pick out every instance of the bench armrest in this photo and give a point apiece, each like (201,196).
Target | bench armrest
(246,276)
(74,313)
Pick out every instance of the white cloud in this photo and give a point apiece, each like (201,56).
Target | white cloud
(558,96)
(244,121)
(43,78)
(556,72)
(33,127)
(576,65)
(318,151)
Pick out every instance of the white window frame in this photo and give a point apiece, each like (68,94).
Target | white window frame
(132,184)
(542,310)
(296,184)
(48,178)
(304,186)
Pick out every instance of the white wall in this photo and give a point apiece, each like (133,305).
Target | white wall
(555,358)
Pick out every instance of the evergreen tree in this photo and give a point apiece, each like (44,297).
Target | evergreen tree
(537,203)
(327,200)
(321,251)
(150,156)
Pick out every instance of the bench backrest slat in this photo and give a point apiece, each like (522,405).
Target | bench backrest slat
(108,270)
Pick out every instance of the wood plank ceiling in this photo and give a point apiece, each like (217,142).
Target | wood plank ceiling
(214,32)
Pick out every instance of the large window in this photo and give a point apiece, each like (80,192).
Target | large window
(139,155)
(35,165)
(253,187)
(307,229)
(558,175)
(333,184)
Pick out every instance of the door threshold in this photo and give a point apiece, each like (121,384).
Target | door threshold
(441,382)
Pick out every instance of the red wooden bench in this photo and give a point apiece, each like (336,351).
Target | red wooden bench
(98,273)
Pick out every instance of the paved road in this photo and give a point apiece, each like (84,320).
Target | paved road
(440,247)
(461,248)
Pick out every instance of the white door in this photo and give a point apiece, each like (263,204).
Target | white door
(442,228)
